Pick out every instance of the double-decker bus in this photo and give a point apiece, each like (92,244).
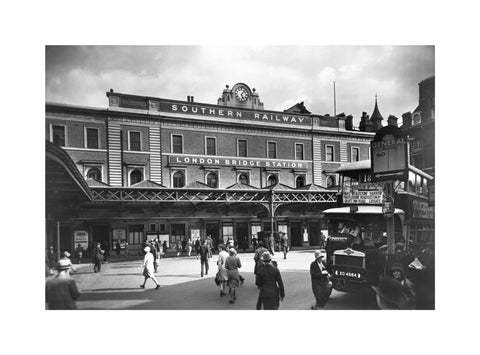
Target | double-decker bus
(356,248)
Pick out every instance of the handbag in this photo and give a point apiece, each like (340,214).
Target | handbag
(217,278)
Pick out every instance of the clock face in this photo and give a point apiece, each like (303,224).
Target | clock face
(241,94)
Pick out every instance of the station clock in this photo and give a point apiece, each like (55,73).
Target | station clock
(241,93)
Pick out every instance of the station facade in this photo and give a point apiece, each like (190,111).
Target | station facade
(187,170)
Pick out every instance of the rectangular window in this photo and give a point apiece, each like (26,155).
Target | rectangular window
(255,229)
(177,144)
(283,228)
(162,227)
(329,153)
(58,135)
(242,148)
(299,151)
(211,146)
(153,227)
(177,233)
(135,234)
(134,141)
(272,150)
(92,138)
(355,154)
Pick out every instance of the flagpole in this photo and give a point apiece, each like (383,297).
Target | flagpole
(334,101)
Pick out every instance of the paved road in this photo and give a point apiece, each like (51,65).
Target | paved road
(182,288)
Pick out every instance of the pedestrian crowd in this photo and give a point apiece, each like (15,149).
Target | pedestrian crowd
(61,289)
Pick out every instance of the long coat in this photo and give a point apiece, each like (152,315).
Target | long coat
(320,287)
(257,258)
(271,286)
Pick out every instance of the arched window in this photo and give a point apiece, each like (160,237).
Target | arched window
(330,181)
(212,180)
(178,179)
(135,176)
(300,181)
(417,118)
(94,173)
(272,180)
(243,178)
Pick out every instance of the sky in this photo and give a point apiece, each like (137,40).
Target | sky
(281,75)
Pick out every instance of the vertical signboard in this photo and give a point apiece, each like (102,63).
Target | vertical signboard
(389,154)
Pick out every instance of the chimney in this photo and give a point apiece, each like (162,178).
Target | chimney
(349,123)
(407,120)
(191,98)
(392,121)
(365,123)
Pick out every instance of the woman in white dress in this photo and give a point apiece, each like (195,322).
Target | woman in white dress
(148,268)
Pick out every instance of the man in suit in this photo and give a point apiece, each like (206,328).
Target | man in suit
(321,285)
(284,243)
(98,258)
(270,283)
(204,251)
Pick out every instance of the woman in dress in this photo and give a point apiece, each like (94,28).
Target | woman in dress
(222,274)
(189,247)
(232,264)
(149,268)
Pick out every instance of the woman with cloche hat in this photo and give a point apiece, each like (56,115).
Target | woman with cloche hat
(232,264)
(321,285)
(395,291)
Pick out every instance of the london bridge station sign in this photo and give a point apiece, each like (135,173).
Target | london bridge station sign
(212,111)
(237,162)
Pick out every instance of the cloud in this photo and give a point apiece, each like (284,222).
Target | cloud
(282,75)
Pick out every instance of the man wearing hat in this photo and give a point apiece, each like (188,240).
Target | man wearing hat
(61,291)
(270,283)
(148,267)
(321,285)
(66,256)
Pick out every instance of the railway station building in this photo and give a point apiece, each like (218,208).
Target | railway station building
(145,167)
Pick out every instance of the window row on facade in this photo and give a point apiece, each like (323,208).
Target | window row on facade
(134,143)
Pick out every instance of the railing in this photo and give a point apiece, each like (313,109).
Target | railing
(205,195)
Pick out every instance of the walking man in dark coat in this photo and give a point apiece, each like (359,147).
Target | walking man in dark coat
(203,251)
(98,258)
(257,257)
(284,244)
(321,285)
(270,283)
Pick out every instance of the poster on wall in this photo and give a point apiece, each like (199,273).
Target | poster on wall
(164,238)
(80,237)
(119,234)
(151,236)
(195,235)
(305,235)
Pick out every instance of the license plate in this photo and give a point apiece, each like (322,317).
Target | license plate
(349,274)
